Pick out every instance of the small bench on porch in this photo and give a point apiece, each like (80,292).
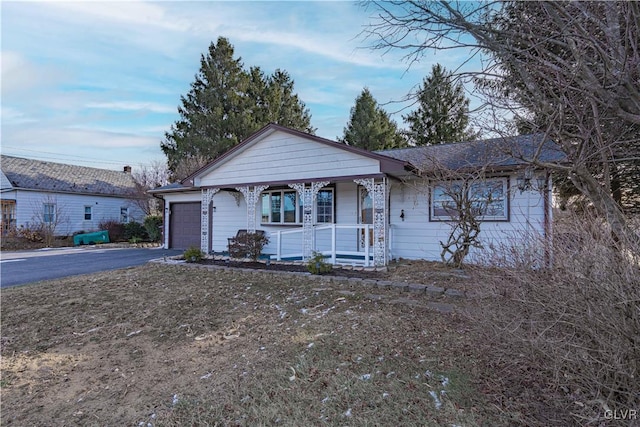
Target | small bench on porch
(245,244)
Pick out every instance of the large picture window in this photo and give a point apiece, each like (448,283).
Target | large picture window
(286,207)
(487,199)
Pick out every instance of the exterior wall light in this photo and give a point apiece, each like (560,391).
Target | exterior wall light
(402,214)
(527,181)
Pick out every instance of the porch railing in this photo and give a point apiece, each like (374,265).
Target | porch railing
(333,253)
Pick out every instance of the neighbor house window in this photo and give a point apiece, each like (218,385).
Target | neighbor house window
(87,213)
(286,207)
(487,199)
(124,215)
(49,213)
(8,215)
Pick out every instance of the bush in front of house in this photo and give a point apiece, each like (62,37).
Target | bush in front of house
(193,254)
(134,231)
(317,264)
(248,245)
(575,318)
(114,228)
(153,227)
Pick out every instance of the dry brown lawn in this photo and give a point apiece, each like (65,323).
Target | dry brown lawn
(176,345)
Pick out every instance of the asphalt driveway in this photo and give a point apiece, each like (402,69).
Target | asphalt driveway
(22,267)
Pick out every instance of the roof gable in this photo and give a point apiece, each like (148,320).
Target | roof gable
(276,153)
(58,177)
(5,184)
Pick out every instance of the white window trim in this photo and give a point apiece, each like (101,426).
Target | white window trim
(128,217)
(51,216)
(487,218)
(299,213)
(84,214)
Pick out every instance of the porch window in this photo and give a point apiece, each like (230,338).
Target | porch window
(324,206)
(87,213)
(286,207)
(49,213)
(487,199)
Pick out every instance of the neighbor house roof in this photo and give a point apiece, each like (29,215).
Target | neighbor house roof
(496,153)
(40,175)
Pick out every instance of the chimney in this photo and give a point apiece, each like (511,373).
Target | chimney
(127,169)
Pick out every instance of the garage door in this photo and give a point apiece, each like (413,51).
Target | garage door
(184,225)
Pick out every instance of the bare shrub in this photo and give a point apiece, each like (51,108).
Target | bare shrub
(576,320)
(248,245)
(114,228)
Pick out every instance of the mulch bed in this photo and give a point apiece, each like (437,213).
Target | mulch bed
(300,268)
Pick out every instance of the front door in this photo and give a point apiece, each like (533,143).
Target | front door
(365,210)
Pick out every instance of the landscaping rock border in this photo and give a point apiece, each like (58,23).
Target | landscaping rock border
(402,287)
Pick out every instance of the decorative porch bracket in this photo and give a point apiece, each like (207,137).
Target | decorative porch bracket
(378,192)
(205,239)
(308,196)
(252,196)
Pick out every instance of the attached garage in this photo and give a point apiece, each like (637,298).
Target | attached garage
(185,225)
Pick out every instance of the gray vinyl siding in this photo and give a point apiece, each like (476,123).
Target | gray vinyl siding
(284,157)
(71,207)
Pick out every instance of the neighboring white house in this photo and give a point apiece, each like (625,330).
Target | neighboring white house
(312,194)
(74,198)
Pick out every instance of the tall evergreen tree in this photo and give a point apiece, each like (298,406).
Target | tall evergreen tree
(442,115)
(283,106)
(370,127)
(225,105)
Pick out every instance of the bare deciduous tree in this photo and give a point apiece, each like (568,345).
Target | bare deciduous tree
(147,178)
(48,218)
(571,69)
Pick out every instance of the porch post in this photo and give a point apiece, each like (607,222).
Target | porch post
(251,196)
(308,196)
(378,193)
(205,239)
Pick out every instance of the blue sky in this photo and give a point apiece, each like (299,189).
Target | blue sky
(98,83)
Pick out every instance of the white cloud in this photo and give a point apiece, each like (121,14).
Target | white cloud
(10,116)
(133,106)
(20,75)
(123,12)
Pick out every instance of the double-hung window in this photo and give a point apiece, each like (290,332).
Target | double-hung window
(487,199)
(324,206)
(87,213)
(286,207)
(124,215)
(49,213)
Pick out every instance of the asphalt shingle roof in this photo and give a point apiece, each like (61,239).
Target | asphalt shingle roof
(59,177)
(493,153)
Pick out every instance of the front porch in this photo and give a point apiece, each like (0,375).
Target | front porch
(349,225)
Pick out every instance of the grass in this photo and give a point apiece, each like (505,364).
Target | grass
(177,345)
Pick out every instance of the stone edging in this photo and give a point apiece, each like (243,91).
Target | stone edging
(417,288)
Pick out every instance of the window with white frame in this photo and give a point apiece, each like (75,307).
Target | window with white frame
(324,206)
(487,198)
(49,213)
(286,207)
(124,215)
(87,213)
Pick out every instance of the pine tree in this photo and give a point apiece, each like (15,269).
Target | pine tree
(370,127)
(283,106)
(442,115)
(225,105)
